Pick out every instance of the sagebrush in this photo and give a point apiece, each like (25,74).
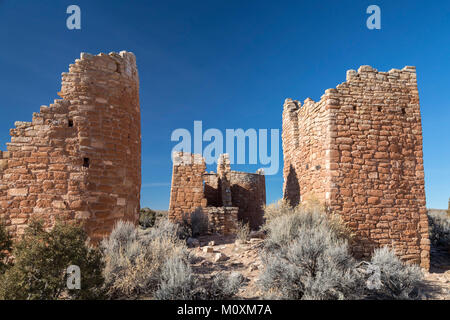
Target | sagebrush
(243,231)
(306,257)
(134,259)
(194,224)
(439,229)
(394,279)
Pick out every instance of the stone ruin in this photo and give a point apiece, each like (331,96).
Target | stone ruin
(79,159)
(225,197)
(359,150)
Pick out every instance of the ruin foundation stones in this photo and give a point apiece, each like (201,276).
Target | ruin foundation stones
(225,197)
(79,159)
(359,150)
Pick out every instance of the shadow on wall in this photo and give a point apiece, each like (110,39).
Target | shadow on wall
(292,188)
(250,210)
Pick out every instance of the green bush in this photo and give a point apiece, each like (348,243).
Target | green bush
(41,262)
(5,247)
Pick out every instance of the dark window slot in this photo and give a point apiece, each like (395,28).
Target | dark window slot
(86,162)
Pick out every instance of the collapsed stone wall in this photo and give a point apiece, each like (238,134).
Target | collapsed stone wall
(359,149)
(226,196)
(79,159)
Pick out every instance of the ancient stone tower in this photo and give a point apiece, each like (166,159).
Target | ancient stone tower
(359,149)
(80,158)
(225,197)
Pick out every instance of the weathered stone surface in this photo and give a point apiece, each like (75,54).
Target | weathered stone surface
(80,157)
(359,150)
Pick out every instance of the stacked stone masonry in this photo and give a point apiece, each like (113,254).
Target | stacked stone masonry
(79,159)
(359,150)
(225,197)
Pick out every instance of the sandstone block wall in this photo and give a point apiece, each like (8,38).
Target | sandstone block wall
(222,220)
(79,159)
(226,196)
(359,149)
(186,193)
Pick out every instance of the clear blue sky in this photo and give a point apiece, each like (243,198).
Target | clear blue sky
(230,64)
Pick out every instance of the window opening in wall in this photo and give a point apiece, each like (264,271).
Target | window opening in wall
(379,109)
(403,111)
(70,123)
(354,108)
(86,162)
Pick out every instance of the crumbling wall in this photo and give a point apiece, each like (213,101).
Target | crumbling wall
(365,145)
(225,196)
(222,220)
(79,159)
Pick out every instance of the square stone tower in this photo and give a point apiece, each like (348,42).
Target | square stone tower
(79,159)
(359,150)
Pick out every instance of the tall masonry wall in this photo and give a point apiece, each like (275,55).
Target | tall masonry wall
(79,159)
(359,149)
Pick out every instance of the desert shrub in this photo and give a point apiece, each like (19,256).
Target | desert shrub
(221,286)
(194,224)
(393,278)
(177,281)
(306,257)
(5,246)
(199,223)
(309,209)
(148,217)
(41,262)
(242,231)
(277,209)
(134,259)
(439,229)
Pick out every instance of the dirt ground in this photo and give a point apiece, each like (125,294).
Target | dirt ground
(229,255)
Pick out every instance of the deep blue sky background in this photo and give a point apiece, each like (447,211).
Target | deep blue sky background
(230,64)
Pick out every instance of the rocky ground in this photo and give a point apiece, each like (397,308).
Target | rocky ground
(217,253)
(437,281)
